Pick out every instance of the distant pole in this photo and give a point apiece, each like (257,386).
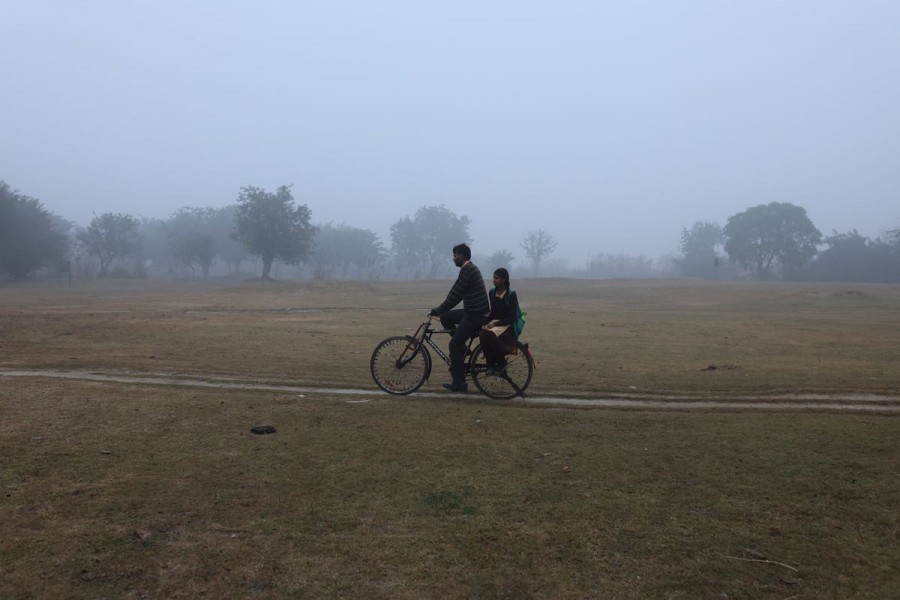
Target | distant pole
(716,268)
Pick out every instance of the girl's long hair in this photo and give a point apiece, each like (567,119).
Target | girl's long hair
(503,274)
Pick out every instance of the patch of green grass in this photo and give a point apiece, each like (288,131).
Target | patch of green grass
(450,503)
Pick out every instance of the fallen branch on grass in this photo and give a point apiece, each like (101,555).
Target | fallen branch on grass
(763,559)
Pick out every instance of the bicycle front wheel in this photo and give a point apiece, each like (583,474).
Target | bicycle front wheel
(400,365)
(510,382)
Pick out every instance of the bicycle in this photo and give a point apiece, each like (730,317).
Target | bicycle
(402,363)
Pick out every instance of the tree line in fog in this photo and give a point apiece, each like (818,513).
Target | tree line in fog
(269,234)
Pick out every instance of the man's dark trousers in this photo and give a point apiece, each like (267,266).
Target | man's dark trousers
(467,326)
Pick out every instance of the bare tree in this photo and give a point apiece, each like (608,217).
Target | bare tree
(538,245)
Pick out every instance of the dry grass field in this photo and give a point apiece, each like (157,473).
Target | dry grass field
(116,490)
(591,337)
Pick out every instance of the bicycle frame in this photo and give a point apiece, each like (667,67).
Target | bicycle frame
(423,336)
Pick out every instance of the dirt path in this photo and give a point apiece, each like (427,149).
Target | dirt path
(808,402)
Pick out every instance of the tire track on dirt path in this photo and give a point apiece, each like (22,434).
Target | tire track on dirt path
(802,402)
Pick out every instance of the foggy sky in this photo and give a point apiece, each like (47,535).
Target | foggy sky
(611,125)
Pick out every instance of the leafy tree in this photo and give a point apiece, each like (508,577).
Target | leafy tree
(30,235)
(228,249)
(111,237)
(853,257)
(769,234)
(698,247)
(500,258)
(425,241)
(189,247)
(62,225)
(893,235)
(341,247)
(155,245)
(190,238)
(538,245)
(271,226)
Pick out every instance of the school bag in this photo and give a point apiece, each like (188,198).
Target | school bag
(519,324)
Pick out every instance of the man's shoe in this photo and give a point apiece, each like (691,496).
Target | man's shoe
(456,387)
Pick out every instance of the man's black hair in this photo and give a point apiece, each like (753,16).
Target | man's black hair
(463,250)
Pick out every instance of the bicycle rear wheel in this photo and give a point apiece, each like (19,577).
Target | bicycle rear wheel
(400,365)
(511,382)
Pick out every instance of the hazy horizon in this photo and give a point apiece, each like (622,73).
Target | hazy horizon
(609,126)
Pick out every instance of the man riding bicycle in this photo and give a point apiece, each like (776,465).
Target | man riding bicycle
(468,287)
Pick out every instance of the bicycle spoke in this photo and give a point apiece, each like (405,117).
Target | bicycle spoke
(509,383)
(399,365)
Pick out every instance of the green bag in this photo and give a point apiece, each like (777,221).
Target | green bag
(519,324)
